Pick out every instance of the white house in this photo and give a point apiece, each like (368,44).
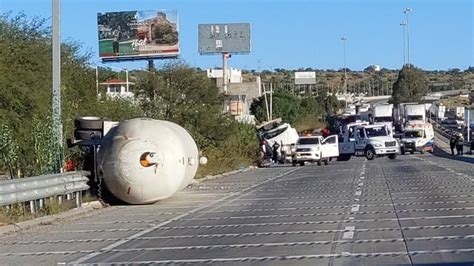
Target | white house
(118,88)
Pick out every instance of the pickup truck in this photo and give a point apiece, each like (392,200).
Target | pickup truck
(315,149)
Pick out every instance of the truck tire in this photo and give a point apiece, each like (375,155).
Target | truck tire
(89,123)
(422,151)
(293,163)
(402,151)
(326,162)
(369,153)
(302,163)
(412,152)
(319,162)
(344,157)
(392,156)
(87,134)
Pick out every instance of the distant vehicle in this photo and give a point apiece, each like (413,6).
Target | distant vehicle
(367,140)
(315,149)
(417,137)
(383,115)
(415,112)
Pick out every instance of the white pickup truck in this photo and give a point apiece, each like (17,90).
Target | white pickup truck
(371,141)
(315,149)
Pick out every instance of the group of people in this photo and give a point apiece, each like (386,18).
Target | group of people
(456,141)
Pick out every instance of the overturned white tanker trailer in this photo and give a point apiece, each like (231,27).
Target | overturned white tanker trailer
(144,160)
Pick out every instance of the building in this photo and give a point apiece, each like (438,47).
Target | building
(240,94)
(117,88)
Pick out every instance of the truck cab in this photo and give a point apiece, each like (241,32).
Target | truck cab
(315,149)
(368,140)
(417,137)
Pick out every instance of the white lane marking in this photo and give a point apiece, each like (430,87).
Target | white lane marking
(351,218)
(241,193)
(361,184)
(358,193)
(362,177)
(349,232)
(355,207)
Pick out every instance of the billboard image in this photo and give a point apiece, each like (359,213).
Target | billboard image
(132,35)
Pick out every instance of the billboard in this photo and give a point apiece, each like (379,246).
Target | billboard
(224,38)
(305,78)
(131,35)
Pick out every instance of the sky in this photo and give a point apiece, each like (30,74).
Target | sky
(293,34)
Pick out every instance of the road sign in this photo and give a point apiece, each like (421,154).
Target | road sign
(224,38)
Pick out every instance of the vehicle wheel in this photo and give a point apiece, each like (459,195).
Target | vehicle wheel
(412,152)
(402,151)
(392,156)
(326,162)
(431,150)
(344,157)
(293,163)
(369,154)
(301,163)
(319,162)
(87,134)
(422,151)
(89,123)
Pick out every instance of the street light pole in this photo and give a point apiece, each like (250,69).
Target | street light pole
(56,88)
(344,39)
(403,24)
(407,12)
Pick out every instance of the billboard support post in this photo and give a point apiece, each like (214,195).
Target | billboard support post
(224,71)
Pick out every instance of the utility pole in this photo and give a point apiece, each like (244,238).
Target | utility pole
(56,89)
(344,39)
(407,12)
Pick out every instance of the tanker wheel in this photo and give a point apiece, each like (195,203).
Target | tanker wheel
(319,162)
(326,162)
(87,134)
(302,163)
(412,152)
(88,122)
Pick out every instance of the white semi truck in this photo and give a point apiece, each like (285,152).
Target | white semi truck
(361,139)
(382,114)
(414,112)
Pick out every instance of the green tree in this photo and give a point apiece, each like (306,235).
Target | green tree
(411,85)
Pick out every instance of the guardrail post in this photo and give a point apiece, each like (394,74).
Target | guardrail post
(41,203)
(32,207)
(78,199)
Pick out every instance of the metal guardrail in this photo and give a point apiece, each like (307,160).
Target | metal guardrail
(445,132)
(31,189)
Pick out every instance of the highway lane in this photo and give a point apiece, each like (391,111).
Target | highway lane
(416,209)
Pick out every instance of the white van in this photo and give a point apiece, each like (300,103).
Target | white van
(417,137)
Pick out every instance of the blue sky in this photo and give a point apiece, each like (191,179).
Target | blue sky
(295,33)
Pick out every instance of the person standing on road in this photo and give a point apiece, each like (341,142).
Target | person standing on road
(452,143)
(459,144)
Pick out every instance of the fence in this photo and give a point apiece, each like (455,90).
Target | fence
(38,188)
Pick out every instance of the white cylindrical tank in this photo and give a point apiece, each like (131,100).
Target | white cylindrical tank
(144,160)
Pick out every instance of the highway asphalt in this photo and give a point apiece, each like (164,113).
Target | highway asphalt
(417,209)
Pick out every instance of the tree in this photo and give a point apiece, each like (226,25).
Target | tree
(411,85)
